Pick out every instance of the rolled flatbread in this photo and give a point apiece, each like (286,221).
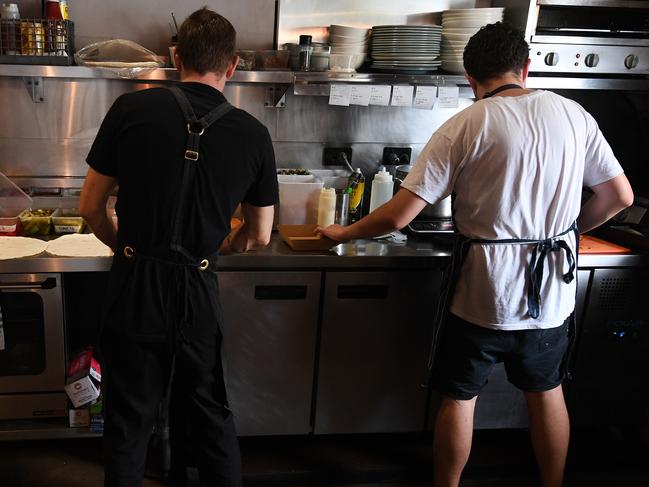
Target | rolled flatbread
(78,245)
(19,247)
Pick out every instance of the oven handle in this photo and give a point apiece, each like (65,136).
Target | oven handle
(49,283)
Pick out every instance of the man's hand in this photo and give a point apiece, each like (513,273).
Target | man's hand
(336,233)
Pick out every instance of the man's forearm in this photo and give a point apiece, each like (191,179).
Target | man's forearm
(595,212)
(609,198)
(376,224)
(103,228)
(239,241)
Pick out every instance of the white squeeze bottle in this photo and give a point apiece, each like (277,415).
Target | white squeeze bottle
(382,188)
(327,207)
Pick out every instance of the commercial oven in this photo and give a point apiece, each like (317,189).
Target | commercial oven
(32,346)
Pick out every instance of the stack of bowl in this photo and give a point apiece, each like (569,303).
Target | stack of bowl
(348,47)
(458,26)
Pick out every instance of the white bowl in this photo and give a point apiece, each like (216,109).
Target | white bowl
(464,24)
(348,39)
(343,30)
(348,50)
(472,10)
(452,66)
(455,30)
(346,63)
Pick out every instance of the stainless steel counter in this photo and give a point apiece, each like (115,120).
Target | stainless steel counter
(360,254)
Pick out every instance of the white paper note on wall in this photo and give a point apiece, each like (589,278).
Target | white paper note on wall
(425,97)
(340,95)
(380,95)
(360,95)
(448,96)
(402,96)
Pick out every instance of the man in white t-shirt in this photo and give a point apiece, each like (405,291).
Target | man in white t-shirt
(516,162)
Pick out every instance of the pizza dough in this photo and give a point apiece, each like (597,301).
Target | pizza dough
(18,247)
(78,245)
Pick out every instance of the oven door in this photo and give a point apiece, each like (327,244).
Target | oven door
(32,346)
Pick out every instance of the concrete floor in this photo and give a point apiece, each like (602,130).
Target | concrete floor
(502,459)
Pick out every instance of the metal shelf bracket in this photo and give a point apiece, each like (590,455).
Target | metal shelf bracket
(35,88)
(276,96)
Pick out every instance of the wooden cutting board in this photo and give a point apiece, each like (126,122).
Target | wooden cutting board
(303,238)
(593,245)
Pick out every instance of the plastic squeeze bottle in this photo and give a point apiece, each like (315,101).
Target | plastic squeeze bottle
(382,188)
(327,207)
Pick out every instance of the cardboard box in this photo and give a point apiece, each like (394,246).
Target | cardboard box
(82,365)
(82,391)
(84,378)
(79,418)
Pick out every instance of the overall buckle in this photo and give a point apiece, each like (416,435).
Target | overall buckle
(191,155)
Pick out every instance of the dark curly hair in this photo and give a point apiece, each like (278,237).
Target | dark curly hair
(494,50)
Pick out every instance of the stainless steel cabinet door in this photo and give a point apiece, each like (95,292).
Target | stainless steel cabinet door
(270,328)
(376,333)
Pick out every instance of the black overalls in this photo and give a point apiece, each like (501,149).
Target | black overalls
(161,344)
(539,250)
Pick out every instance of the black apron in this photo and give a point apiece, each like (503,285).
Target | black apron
(164,329)
(540,250)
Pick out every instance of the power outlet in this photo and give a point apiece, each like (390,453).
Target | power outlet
(331,156)
(396,156)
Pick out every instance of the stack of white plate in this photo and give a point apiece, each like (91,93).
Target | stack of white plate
(405,47)
(348,47)
(458,26)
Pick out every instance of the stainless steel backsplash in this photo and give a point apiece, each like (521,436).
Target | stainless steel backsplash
(52,139)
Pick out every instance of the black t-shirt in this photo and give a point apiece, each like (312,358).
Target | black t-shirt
(142,142)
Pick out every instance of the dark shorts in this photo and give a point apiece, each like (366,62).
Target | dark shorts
(534,359)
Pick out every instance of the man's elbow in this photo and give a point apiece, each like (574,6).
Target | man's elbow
(626,198)
(261,240)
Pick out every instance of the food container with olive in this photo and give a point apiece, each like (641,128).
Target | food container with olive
(67,221)
(36,222)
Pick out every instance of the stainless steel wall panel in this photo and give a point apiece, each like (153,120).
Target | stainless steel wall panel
(147,22)
(311,119)
(44,157)
(53,138)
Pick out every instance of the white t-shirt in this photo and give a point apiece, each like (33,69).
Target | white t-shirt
(516,166)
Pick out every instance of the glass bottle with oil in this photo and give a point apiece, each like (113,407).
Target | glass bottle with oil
(357,185)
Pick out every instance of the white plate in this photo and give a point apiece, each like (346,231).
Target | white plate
(405,58)
(406,47)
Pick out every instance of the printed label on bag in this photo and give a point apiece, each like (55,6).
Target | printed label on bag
(8,228)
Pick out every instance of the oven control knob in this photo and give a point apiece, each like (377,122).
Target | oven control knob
(591,60)
(631,61)
(551,58)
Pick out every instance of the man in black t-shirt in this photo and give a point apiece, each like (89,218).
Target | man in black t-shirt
(184,159)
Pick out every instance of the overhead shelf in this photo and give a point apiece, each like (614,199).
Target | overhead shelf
(303,80)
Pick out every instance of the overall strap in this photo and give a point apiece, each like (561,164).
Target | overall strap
(197,126)
(510,86)
(540,252)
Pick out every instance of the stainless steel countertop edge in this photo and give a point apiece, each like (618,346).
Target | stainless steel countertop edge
(413,255)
